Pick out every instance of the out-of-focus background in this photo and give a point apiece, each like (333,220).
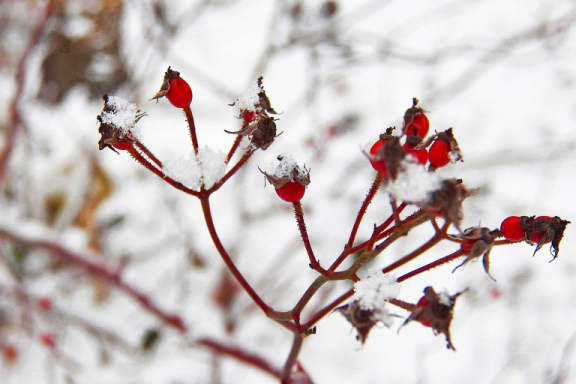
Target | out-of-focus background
(501,74)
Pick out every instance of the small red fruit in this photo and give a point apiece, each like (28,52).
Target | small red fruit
(419,125)
(48,339)
(421,155)
(377,161)
(439,154)
(44,303)
(511,229)
(176,89)
(9,353)
(291,192)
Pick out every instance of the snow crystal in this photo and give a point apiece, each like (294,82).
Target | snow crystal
(286,168)
(413,183)
(123,114)
(250,98)
(373,291)
(192,171)
(213,165)
(445,299)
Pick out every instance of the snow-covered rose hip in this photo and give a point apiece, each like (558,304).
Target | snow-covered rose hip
(288,179)
(176,89)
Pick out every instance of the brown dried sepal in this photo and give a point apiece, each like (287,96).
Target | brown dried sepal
(361,319)
(435,311)
(299,175)
(392,153)
(111,135)
(165,87)
(447,201)
(476,242)
(553,229)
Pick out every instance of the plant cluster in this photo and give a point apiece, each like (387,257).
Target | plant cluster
(406,161)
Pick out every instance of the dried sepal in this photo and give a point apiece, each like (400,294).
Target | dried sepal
(255,110)
(543,229)
(476,242)
(388,158)
(287,171)
(117,121)
(363,320)
(435,310)
(447,201)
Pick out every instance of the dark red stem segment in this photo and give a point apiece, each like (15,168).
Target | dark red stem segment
(243,160)
(434,264)
(234,147)
(192,127)
(149,154)
(292,358)
(240,354)
(110,275)
(299,214)
(13,109)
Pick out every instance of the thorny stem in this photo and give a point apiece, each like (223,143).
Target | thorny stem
(142,160)
(434,264)
(13,109)
(149,154)
(299,214)
(204,201)
(110,275)
(292,357)
(240,354)
(417,252)
(192,127)
(369,197)
(234,147)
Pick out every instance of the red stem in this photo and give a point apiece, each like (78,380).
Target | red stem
(299,214)
(231,172)
(142,160)
(232,267)
(234,147)
(242,355)
(434,264)
(192,127)
(150,155)
(13,110)
(102,271)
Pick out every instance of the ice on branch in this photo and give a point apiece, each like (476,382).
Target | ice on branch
(196,171)
(413,183)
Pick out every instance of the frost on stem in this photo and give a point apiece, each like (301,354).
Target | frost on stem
(197,171)
(369,307)
(255,110)
(118,123)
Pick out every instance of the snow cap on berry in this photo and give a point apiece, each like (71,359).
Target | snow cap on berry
(118,122)
(286,171)
(374,291)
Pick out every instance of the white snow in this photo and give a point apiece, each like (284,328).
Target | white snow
(193,171)
(373,291)
(123,115)
(250,99)
(413,183)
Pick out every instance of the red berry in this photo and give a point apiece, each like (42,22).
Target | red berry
(44,303)
(179,94)
(439,153)
(421,155)
(291,192)
(377,163)
(122,145)
(511,229)
(422,302)
(419,126)
(48,339)
(9,353)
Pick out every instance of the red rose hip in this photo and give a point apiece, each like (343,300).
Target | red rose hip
(511,229)
(291,192)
